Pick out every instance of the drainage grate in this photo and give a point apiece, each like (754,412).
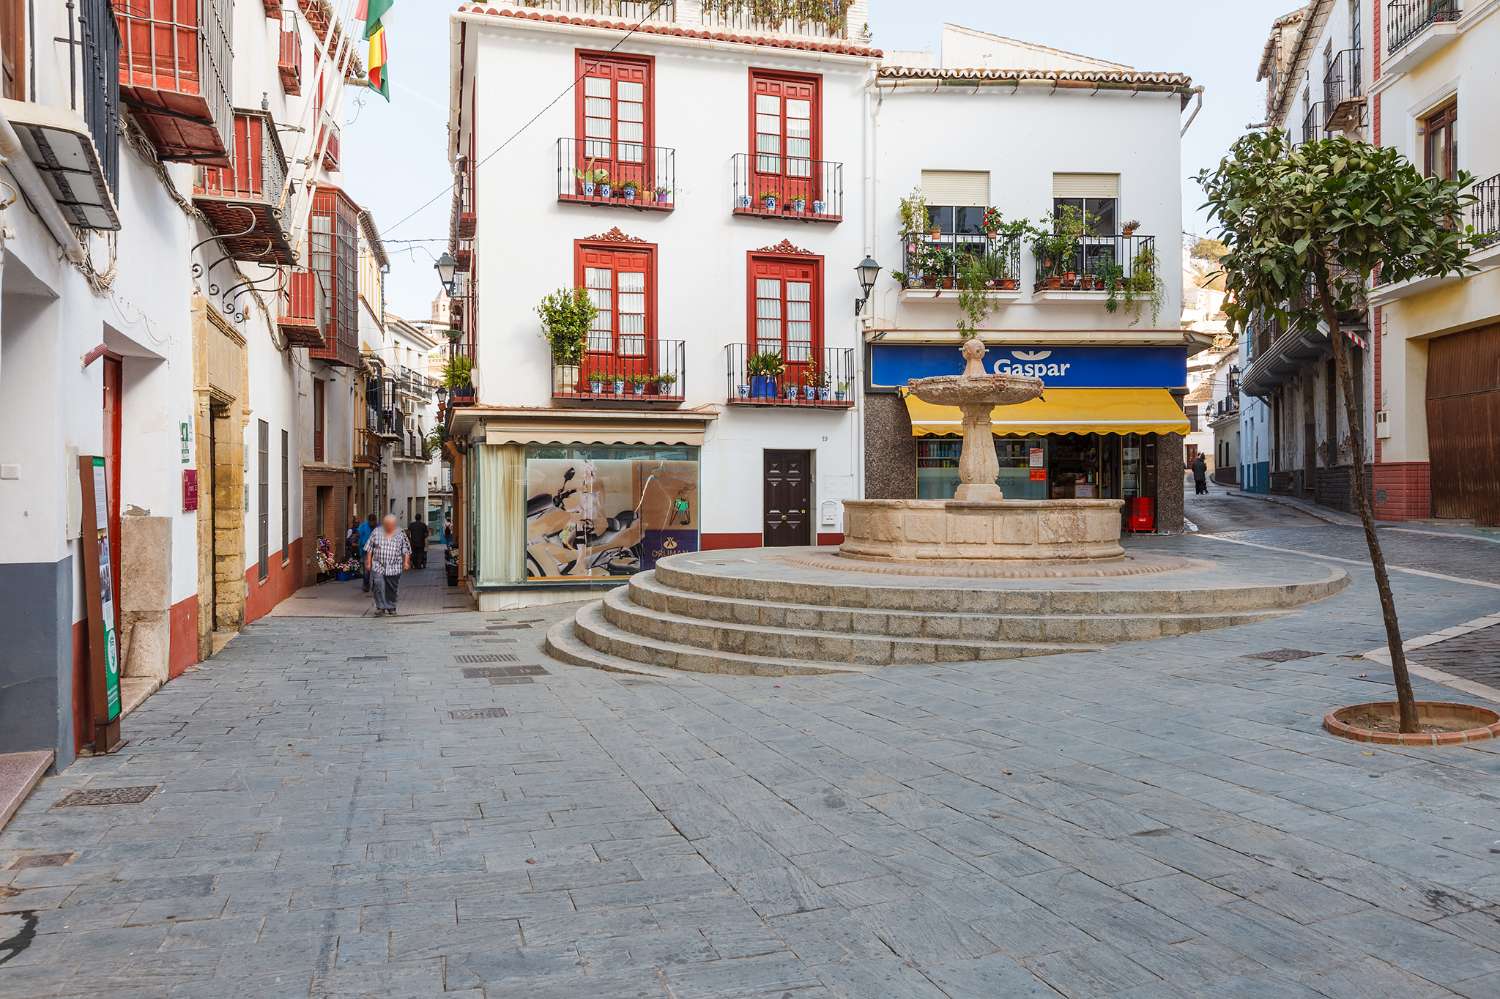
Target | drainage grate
(466,634)
(527,670)
(108,796)
(475,714)
(508,627)
(1281,655)
(488,657)
(365,659)
(503,672)
(41,860)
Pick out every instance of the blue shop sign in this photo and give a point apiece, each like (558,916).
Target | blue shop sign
(1059,367)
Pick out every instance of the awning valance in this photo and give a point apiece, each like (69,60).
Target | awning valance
(1064,411)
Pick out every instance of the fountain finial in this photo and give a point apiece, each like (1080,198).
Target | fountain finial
(973,351)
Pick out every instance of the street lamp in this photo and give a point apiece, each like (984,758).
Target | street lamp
(446,267)
(868,270)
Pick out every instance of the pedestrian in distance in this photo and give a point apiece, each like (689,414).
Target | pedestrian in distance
(387,555)
(416,532)
(1200,476)
(448,533)
(366,531)
(352,547)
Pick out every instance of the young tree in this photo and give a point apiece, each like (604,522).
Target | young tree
(1306,229)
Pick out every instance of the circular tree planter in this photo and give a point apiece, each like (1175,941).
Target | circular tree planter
(1442,723)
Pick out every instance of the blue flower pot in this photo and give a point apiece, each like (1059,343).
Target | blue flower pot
(588,188)
(762,387)
(605,190)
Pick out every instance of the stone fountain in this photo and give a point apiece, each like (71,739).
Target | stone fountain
(979,526)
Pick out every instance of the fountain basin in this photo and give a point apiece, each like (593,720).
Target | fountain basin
(980,389)
(1077,530)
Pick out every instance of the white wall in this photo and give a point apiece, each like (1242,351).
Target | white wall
(525,238)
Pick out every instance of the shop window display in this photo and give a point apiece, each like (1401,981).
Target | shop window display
(603,512)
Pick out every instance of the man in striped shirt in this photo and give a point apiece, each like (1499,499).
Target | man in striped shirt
(387,555)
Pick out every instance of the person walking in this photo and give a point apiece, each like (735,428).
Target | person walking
(416,532)
(1200,475)
(351,540)
(366,531)
(387,555)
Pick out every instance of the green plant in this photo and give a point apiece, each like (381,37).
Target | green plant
(973,304)
(995,268)
(1334,213)
(1115,285)
(914,215)
(1146,282)
(766,363)
(666,381)
(1056,242)
(458,373)
(831,14)
(567,314)
(642,379)
(991,221)
(768,195)
(631,186)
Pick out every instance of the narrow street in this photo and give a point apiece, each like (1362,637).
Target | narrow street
(426,805)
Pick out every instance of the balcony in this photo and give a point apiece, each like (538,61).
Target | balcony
(637,176)
(653,378)
(931,267)
(289,59)
(808,191)
(1313,122)
(301,303)
(1484,213)
(1416,29)
(243,203)
(1282,353)
(331,147)
(333,244)
(174,72)
(1101,269)
(366,448)
(810,377)
(817,19)
(1344,90)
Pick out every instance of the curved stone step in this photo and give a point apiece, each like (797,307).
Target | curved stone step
(649,592)
(1186,592)
(593,630)
(562,643)
(855,648)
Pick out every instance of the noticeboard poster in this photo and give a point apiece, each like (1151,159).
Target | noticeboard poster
(106,592)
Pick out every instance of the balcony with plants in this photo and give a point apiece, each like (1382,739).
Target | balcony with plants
(634,176)
(788,188)
(242,203)
(936,265)
(1075,263)
(590,368)
(1417,29)
(827,20)
(804,376)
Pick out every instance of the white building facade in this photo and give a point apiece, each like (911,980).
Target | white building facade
(704,239)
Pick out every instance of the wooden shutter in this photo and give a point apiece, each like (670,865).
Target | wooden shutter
(1085,185)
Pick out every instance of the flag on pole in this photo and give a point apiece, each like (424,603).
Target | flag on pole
(371,12)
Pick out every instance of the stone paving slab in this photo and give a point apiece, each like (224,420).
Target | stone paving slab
(1159,819)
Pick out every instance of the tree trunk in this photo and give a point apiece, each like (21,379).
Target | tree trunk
(1405,700)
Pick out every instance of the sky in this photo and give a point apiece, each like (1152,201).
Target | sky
(399,147)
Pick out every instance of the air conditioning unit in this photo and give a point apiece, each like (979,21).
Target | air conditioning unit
(1382,424)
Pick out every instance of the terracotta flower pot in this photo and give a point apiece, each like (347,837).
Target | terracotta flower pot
(1441,723)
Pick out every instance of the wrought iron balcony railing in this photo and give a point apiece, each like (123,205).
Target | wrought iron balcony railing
(652,374)
(1313,122)
(828,19)
(937,263)
(618,174)
(1406,19)
(175,68)
(636,11)
(366,448)
(1344,79)
(793,374)
(289,57)
(1484,213)
(1095,263)
(101,94)
(788,187)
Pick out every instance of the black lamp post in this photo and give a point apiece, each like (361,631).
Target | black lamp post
(868,270)
(446,267)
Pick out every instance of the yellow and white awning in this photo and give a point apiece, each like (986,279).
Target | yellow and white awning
(1064,411)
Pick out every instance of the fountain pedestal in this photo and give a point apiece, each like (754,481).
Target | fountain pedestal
(979,525)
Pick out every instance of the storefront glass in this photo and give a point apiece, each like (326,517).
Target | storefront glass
(595,512)
(1056,466)
(1023,467)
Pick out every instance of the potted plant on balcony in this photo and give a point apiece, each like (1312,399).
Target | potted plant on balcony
(1144,281)
(1111,277)
(588,180)
(973,304)
(661,194)
(601,177)
(1128,229)
(567,315)
(820,207)
(913,215)
(764,367)
(628,190)
(812,379)
(619,384)
(841,390)
(991,222)
(664,383)
(458,376)
(947,264)
(639,381)
(768,201)
(789,389)
(799,204)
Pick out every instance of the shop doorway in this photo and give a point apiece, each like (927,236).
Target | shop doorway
(787,498)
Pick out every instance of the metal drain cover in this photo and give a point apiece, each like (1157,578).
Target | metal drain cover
(499,672)
(466,634)
(507,627)
(108,796)
(488,657)
(1281,655)
(365,659)
(41,860)
(475,714)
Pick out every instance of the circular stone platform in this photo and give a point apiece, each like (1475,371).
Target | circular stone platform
(1001,530)
(1124,565)
(780,611)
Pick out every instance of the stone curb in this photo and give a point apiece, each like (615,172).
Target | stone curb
(1344,730)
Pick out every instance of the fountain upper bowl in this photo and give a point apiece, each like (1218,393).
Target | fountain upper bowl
(959,390)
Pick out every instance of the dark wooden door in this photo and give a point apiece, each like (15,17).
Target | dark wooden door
(1463,424)
(788,499)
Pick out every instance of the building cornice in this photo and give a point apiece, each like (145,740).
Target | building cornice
(1113,79)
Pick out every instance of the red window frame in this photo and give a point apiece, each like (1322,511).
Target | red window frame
(616,69)
(771,171)
(785,268)
(617,359)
